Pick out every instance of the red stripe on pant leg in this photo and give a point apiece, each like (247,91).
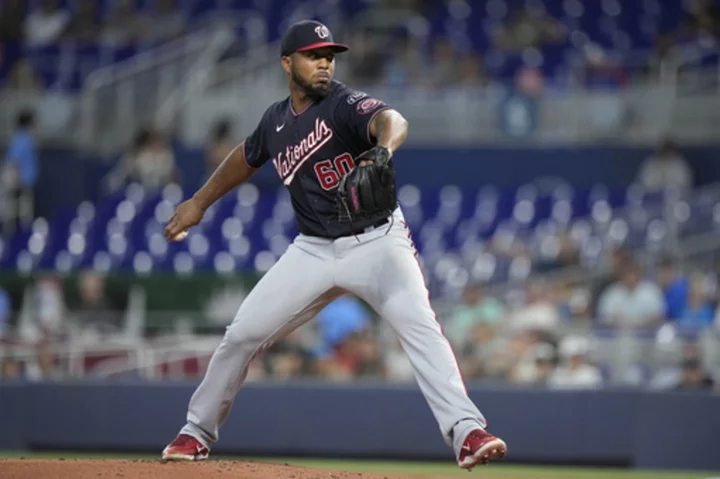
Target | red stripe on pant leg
(427,291)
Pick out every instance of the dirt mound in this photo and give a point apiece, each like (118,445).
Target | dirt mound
(131,469)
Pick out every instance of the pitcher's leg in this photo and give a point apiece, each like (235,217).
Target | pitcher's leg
(393,284)
(291,293)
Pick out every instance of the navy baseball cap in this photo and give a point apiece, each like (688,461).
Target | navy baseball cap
(308,35)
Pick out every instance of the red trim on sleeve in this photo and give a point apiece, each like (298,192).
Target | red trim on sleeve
(245,157)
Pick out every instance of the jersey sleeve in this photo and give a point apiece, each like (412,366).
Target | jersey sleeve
(255,146)
(354,114)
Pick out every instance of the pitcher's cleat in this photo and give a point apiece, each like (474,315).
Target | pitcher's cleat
(480,448)
(185,448)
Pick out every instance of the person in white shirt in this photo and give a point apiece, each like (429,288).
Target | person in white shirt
(666,169)
(539,313)
(632,302)
(575,372)
(46,24)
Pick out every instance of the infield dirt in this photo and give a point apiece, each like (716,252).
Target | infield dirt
(132,469)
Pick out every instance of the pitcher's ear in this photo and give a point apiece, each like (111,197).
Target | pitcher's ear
(286,63)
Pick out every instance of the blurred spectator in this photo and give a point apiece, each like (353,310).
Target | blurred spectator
(574,371)
(509,354)
(519,110)
(397,364)
(346,348)
(668,369)
(288,363)
(665,169)
(601,71)
(694,377)
(46,24)
(50,307)
(367,355)
(568,255)
(5,313)
(365,62)
(95,312)
(575,306)
(404,66)
(85,25)
(443,65)
(153,163)
(538,369)
(20,173)
(475,309)
(529,28)
(356,355)
(675,286)
(125,24)
(10,369)
(472,73)
(620,258)
(338,320)
(632,302)
(289,358)
(698,313)
(12,19)
(218,146)
(150,162)
(168,22)
(476,351)
(539,313)
(23,78)
(45,366)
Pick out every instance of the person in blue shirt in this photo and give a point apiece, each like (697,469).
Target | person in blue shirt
(698,312)
(5,312)
(675,286)
(338,320)
(21,166)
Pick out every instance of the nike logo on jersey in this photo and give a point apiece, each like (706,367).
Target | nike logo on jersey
(296,155)
(279,127)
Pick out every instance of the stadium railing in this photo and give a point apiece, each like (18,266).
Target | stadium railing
(632,358)
(118,98)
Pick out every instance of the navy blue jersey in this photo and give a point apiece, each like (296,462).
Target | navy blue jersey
(312,150)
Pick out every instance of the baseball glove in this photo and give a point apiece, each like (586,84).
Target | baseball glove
(369,191)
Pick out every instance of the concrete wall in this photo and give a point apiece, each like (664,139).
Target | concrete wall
(645,430)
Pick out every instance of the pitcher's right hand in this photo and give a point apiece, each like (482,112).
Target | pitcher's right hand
(188,214)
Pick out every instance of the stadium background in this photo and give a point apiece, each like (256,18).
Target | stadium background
(560,179)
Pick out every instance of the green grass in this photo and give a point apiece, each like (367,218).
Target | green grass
(496,470)
(430,469)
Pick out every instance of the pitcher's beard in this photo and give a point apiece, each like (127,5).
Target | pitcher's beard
(313,92)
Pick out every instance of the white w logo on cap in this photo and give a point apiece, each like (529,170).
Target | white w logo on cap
(322,31)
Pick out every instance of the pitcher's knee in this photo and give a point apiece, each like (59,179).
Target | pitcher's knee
(241,337)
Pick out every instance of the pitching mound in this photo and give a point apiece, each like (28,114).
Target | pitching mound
(128,469)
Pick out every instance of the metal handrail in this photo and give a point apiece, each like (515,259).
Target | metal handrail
(684,55)
(145,60)
(144,356)
(197,78)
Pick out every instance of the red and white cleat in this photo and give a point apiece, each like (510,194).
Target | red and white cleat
(185,448)
(480,448)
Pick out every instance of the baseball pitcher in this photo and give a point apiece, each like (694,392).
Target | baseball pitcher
(333,149)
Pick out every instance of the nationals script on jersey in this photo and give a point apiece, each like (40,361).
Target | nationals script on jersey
(312,150)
